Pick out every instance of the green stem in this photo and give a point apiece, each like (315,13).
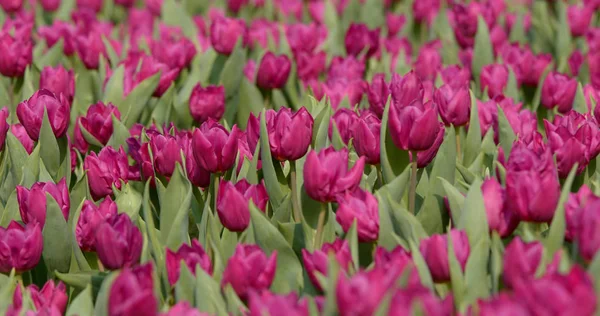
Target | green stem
(293,185)
(320,226)
(413,186)
(458,147)
(379,176)
(216,187)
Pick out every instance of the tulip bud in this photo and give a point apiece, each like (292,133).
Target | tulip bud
(318,261)
(118,242)
(494,77)
(366,137)
(59,30)
(50,5)
(340,89)
(173,49)
(573,208)
(359,38)
(435,253)
(499,217)
(326,174)
(132,292)
(414,127)
(91,217)
(273,71)
(52,296)
(215,149)
(249,269)
(360,206)
(394,23)
(11,6)
(17,52)
(90,47)
(20,247)
(425,157)
(344,119)
(454,105)
(225,33)
(346,69)
(559,91)
(429,61)
(270,304)
(290,134)
(97,122)
(58,80)
(207,103)
(261,31)
(304,37)
(21,134)
(149,67)
(399,262)
(521,261)
(233,203)
(579,18)
(425,11)
(363,292)
(196,174)
(4,113)
(166,152)
(106,169)
(587,235)
(154,6)
(378,94)
(193,256)
(455,76)
(310,65)
(32,202)
(31,113)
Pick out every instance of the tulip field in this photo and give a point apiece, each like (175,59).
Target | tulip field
(299,157)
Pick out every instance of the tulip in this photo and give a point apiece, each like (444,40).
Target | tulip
(207,103)
(233,203)
(579,18)
(304,37)
(270,304)
(261,31)
(290,134)
(11,6)
(89,49)
(527,67)
(378,94)
(454,105)
(106,169)
(98,123)
(199,176)
(31,113)
(58,81)
(326,174)
(94,5)
(20,247)
(414,127)
(250,70)
(425,11)
(249,269)
(154,6)
(359,38)
(4,113)
(183,308)
(132,292)
(310,65)
(587,234)
(558,294)
(173,49)
(59,30)
(503,304)
(91,217)
(409,300)
(532,187)
(225,33)
(398,262)
(365,133)
(425,157)
(455,76)
(435,253)
(32,202)
(559,90)
(499,217)
(362,294)
(340,89)
(521,260)
(360,206)
(21,134)
(166,152)
(17,53)
(573,208)
(193,256)
(394,23)
(50,5)
(429,61)
(215,149)
(494,77)
(273,71)
(346,69)
(318,260)
(344,120)
(53,295)
(575,61)
(118,242)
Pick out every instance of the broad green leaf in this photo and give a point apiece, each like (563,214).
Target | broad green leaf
(518,31)
(175,203)
(101,303)
(274,188)
(136,101)
(128,201)
(512,88)
(473,219)
(473,144)
(83,304)
(208,294)
(556,233)
(320,133)
(49,151)
(421,265)
(506,134)
(456,200)
(252,102)
(186,285)
(483,54)
(29,86)
(393,159)
(457,279)
(17,155)
(114,91)
(174,14)
(476,273)
(352,239)
(79,280)
(51,57)
(579,104)
(57,238)
(120,134)
(563,36)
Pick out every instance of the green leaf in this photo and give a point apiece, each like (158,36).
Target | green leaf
(174,14)
(288,276)
(175,203)
(79,280)
(78,260)
(409,227)
(518,31)
(556,232)
(120,134)
(7,288)
(49,151)
(372,13)
(186,285)
(52,56)
(397,187)
(128,201)
(563,36)
(161,114)
(496,261)
(476,278)
(352,239)
(208,295)
(114,91)
(320,134)
(28,88)
(579,103)
(101,304)
(82,305)
(387,236)
(231,78)
(421,265)
(506,134)
(90,138)
(512,88)
(113,57)
(253,102)
(393,159)
(473,219)
(17,155)
(456,276)
(57,238)
(455,199)
(483,54)
(473,145)
(136,101)
(274,188)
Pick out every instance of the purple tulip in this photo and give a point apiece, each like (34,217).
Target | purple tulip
(559,91)
(290,134)
(435,253)
(398,262)
(98,123)
(173,49)
(304,37)
(425,11)
(346,69)
(207,103)
(199,176)
(151,66)
(273,71)
(344,119)
(455,76)
(59,30)
(118,242)
(90,47)
(363,292)
(395,23)
(573,208)
(17,50)
(326,174)
(360,206)
(51,296)
(249,269)
(11,6)
(20,247)
(579,18)
(32,202)
(527,66)
(559,294)
(4,113)
(106,169)
(94,5)
(58,80)
(521,260)
(494,77)
(587,234)
(318,260)
(503,304)
(132,292)
(193,256)
(183,308)
(310,65)
(454,105)
(337,90)
(378,94)
(429,61)
(409,300)
(226,32)
(359,38)
(425,157)
(532,187)
(365,133)
(215,149)
(31,113)
(21,134)
(166,152)
(499,217)
(233,203)
(91,217)
(270,304)
(50,5)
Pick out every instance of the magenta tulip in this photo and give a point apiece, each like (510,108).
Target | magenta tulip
(499,217)
(233,203)
(21,134)
(226,32)
(579,18)
(118,242)
(366,137)
(559,91)
(32,202)
(193,255)
(106,169)
(290,134)
(271,304)
(31,113)
(207,103)
(249,269)
(587,234)
(215,149)
(360,206)
(17,50)
(273,71)
(318,261)
(494,78)
(20,247)
(503,304)
(573,208)
(344,120)
(435,253)
(521,261)
(398,262)
(90,218)
(417,298)
(51,296)
(4,113)
(360,39)
(98,123)
(454,105)
(58,80)
(378,94)
(363,292)
(132,292)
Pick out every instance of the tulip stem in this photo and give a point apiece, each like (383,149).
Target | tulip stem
(320,226)
(413,186)
(458,150)
(293,185)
